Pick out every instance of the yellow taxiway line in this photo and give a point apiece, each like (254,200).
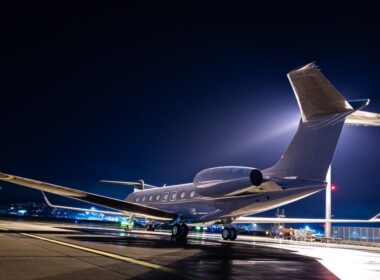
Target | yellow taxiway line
(111,255)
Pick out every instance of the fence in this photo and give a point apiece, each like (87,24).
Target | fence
(363,234)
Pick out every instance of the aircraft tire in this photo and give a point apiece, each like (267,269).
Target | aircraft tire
(226,233)
(176,230)
(232,233)
(184,230)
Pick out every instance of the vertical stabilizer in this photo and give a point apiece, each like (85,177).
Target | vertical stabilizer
(323,112)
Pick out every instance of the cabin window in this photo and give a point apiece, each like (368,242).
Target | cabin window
(151,198)
(192,194)
(182,195)
(143,199)
(158,197)
(137,199)
(173,196)
(165,196)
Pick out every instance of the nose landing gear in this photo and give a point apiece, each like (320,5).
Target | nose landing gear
(229,233)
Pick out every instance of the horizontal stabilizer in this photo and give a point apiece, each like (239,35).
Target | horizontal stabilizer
(363,118)
(315,95)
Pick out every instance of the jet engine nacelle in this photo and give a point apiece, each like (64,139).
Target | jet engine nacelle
(224,181)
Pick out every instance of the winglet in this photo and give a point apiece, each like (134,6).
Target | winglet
(47,200)
(376,218)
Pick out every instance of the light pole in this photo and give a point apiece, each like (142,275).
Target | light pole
(328,204)
(360,118)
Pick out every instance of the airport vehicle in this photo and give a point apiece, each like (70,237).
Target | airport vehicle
(229,194)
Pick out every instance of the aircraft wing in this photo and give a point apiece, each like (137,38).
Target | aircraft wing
(138,185)
(81,209)
(113,203)
(263,220)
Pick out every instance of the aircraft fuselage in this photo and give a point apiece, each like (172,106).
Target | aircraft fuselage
(194,208)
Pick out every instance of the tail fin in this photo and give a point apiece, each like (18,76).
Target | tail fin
(323,110)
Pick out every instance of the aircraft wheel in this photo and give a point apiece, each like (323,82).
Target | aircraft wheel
(128,228)
(150,227)
(225,233)
(176,230)
(233,233)
(185,230)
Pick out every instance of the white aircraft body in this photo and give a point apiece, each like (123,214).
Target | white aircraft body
(228,194)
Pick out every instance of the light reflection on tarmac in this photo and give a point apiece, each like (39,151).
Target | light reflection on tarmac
(202,256)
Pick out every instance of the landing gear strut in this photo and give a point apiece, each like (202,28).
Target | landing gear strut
(150,227)
(180,231)
(129,226)
(229,233)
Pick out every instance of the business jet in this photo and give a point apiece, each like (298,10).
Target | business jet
(230,194)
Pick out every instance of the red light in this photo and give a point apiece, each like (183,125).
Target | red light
(333,187)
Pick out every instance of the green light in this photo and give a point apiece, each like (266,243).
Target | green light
(123,223)
(197,228)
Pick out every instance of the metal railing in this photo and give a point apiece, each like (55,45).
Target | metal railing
(359,234)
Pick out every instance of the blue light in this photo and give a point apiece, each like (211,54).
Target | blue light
(21,212)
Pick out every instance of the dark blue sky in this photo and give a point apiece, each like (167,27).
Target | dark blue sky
(159,92)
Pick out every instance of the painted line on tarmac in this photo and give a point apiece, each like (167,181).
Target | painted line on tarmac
(113,256)
(4,229)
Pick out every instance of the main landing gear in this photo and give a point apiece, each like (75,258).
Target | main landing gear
(229,233)
(150,227)
(180,231)
(129,226)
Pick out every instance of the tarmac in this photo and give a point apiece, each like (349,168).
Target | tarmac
(61,250)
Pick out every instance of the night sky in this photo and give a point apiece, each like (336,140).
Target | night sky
(94,90)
